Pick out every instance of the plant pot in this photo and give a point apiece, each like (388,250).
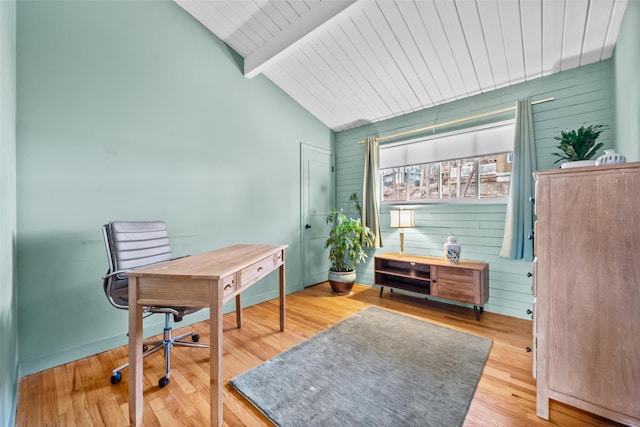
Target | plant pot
(342,282)
(578,164)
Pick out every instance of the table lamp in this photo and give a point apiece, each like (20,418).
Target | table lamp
(401,218)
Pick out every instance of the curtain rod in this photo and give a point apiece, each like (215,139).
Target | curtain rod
(452,122)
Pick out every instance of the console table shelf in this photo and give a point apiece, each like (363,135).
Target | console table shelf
(466,282)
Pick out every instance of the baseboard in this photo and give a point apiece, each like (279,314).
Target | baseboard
(50,360)
(14,403)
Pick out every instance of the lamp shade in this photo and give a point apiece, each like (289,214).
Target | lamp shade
(401,218)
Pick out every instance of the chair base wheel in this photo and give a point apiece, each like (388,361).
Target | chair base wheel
(195,337)
(116,378)
(163,381)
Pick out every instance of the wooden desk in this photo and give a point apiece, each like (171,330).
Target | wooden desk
(205,280)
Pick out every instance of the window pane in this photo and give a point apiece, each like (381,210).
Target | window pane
(424,182)
(486,177)
(495,175)
(393,184)
(459,179)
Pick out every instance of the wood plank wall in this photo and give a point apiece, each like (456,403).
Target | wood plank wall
(582,95)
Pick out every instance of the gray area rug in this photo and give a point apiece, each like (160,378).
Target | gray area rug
(375,368)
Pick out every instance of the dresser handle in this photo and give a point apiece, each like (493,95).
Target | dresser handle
(532,200)
(259,269)
(530,236)
(529,274)
(529,311)
(228,286)
(528,349)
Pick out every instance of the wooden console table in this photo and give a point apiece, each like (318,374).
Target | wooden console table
(467,281)
(209,280)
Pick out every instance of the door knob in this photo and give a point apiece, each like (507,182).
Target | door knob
(307,226)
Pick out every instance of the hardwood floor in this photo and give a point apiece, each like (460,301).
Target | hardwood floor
(80,393)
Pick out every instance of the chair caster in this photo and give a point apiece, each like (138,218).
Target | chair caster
(116,377)
(195,337)
(163,381)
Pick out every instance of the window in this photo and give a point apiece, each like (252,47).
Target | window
(470,165)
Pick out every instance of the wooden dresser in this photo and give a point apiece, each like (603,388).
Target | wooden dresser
(467,281)
(587,290)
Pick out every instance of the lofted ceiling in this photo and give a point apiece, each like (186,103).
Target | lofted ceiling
(355,62)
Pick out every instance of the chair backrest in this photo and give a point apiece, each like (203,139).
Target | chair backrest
(132,244)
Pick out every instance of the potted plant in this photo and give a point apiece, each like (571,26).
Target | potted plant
(578,147)
(346,243)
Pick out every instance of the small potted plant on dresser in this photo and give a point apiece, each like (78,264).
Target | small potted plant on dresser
(577,147)
(347,239)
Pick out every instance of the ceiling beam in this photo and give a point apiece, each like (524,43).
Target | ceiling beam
(295,35)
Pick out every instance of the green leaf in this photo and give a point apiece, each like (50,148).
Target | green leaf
(579,145)
(347,239)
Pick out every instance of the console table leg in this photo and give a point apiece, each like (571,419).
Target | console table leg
(381,289)
(476,312)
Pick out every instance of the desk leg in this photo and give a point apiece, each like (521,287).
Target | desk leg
(239,311)
(135,355)
(282,298)
(216,354)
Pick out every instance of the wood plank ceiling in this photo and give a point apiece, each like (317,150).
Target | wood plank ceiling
(355,62)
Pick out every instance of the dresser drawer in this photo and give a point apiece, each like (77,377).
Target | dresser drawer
(258,270)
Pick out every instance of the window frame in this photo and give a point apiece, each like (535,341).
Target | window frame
(447,136)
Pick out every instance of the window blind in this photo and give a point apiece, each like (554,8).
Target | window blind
(471,142)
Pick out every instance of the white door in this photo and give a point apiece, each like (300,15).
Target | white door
(317,201)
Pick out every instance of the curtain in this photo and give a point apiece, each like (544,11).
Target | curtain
(519,218)
(370,214)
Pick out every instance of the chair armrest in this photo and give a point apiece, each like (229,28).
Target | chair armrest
(113,273)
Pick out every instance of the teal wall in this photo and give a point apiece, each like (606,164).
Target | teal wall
(8,299)
(627,84)
(581,95)
(133,110)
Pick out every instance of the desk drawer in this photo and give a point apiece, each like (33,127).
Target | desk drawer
(256,271)
(228,285)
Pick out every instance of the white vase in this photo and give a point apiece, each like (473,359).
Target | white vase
(452,250)
(610,157)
